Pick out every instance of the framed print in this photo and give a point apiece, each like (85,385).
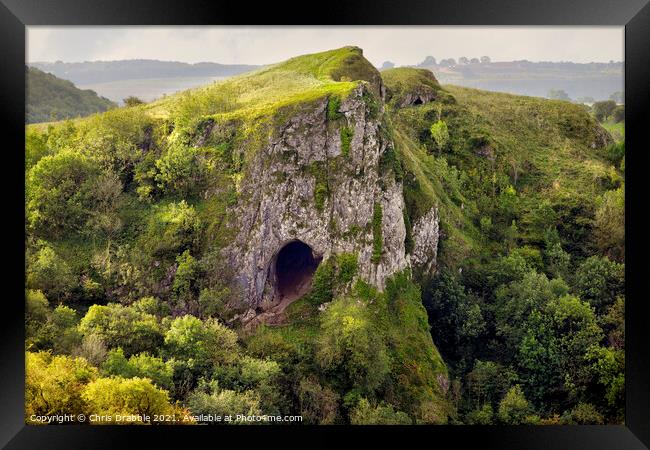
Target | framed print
(371,219)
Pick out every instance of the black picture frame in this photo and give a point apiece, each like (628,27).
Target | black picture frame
(15,15)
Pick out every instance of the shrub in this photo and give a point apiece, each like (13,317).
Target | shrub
(333,105)
(207,342)
(346,139)
(383,414)
(121,326)
(514,409)
(58,193)
(180,171)
(440,134)
(49,273)
(318,404)
(210,399)
(173,228)
(54,384)
(124,397)
(141,365)
(350,345)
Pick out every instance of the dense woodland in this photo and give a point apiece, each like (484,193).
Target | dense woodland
(50,98)
(128,309)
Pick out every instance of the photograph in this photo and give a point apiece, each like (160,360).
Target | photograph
(324,225)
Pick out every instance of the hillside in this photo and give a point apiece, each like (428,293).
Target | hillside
(595,80)
(51,98)
(92,72)
(317,238)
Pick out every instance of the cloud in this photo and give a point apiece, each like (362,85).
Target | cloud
(267,44)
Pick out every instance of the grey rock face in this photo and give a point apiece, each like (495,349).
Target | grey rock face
(426,233)
(277,199)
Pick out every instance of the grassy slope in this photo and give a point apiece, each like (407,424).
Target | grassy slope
(50,97)
(548,144)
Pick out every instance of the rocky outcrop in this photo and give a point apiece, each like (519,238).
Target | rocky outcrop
(426,233)
(308,185)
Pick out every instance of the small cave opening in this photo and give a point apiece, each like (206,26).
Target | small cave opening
(418,101)
(295,265)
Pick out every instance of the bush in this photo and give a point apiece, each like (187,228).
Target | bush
(54,384)
(125,327)
(602,110)
(180,171)
(333,105)
(318,404)
(382,414)
(350,347)
(172,229)
(120,396)
(514,408)
(618,115)
(346,140)
(440,134)
(600,281)
(142,365)
(207,343)
(50,274)
(58,193)
(210,399)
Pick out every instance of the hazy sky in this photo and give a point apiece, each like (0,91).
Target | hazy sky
(264,45)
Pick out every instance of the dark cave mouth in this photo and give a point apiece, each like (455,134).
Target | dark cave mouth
(295,265)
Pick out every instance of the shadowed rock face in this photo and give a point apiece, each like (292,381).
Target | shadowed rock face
(295,265)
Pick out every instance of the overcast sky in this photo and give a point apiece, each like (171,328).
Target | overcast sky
(264,45)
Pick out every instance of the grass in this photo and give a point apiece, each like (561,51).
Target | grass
(617,130)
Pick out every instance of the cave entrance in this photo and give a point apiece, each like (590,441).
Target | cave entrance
(418,101)
(294,269)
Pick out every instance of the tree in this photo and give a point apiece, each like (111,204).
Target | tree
(206,343)
(552,352)
(172,229)
(124,397)
(488,382)
(382,414)
(514,408)
(558,94)
(463,60)
(428,61)
(209,398)
(617,97)
(54,384)
(58,193)
(50,274)
(132,101)
(122,326)
(455,317)
(141,365)
(609,224)
(350,347)
(440,134)
(600,281)
(318,404)
(180,171)
(618,115)
(557,260)
(485,60)
(474,61)
(602,110)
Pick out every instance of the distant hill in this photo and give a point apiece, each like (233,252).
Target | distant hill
(91,72)
(51,98)
(596,80)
